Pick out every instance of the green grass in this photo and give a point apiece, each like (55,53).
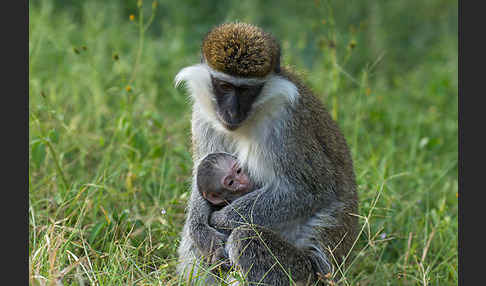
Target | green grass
(109,138)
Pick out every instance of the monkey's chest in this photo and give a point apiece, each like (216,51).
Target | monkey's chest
(249,147)
(257,160)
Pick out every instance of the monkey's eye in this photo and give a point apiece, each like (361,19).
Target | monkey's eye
(226,87)
(231,183)
(238,171)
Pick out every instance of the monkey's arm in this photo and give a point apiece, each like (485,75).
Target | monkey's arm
(206,238)
(270,206)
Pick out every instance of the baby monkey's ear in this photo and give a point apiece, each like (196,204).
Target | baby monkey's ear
(214,198)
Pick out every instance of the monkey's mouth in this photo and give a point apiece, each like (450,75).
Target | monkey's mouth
(228,125)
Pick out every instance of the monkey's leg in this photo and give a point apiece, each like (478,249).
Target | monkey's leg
(195,268)
(266,259)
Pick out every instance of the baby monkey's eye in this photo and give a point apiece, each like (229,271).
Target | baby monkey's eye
(238,171)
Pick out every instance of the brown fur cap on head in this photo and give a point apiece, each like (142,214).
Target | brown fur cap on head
(241,49)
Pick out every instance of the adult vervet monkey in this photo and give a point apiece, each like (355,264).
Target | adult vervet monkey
(246,104)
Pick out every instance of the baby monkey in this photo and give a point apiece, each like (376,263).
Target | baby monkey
(221,180)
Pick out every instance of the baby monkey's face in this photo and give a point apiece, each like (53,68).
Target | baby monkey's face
(235,180)
(224,181)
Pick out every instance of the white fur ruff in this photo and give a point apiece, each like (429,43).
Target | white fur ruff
(277,93)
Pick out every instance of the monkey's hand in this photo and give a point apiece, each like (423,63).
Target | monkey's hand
(219,220)
(225,220)
(221,260)
(207,239)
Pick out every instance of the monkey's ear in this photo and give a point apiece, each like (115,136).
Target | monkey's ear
(215,199)
(277,67)
(277,62)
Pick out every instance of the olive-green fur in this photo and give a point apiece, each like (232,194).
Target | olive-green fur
(241,49)
(338,238)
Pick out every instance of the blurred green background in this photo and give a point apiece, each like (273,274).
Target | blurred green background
(109,135)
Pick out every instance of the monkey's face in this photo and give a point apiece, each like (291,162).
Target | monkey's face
(236,180)
(233,103)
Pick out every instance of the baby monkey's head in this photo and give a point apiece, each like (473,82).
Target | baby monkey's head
(221,180)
